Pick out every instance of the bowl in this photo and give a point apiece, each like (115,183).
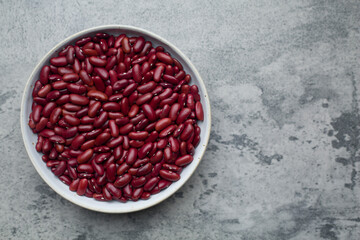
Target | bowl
(30,138)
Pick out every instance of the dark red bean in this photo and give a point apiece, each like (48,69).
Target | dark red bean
(158,72)
(149,112)
(137,193)
(102,138)
(99,121)
(85,156)
(167,131)
(82,187)
(138,182)
(86,167)
(125,45)
(145,149)
(125,106)
(183,115)
(111,172)
(113,190)
(199,111)
(59,61)
(77,142)
(139,44)
(132,156)
(169,175)
(123,180)
(74,185)
(126,128)
(184,160)
(44,75)
(164,184)
(127,191)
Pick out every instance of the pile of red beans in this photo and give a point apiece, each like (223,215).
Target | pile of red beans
(116,117)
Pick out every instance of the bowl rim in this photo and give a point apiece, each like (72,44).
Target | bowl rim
(23,119)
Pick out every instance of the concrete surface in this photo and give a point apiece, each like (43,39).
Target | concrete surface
(283,159)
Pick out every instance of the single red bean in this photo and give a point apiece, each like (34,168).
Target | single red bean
(78,99)
(44,75)
(74,185)
(127,191)
(71,120)
(57,139)
(145,149)
(162,123)
(86,167)
(41,124)
(137,193)
(132,156)
(178,130)
(199,111)
(102,138)
(183,115)
(126,128)
(130,89)
(158,72)
(184,160)
(167,131)
(44,90)
(82,187)
(190,148)
(113,190)
(164,184)
(125,106)
(174,144)
(144,99)
(149,112)
(125,45)
(133,111)
(65,179)
(170,79)
(139,44)
(138,182)
(77,142)
(137,73)
(142,135)
(111,172)
(123,180)
(126,144)
(111,107)
(99,121)
(186,133)
(60,168)
(144,169)
(169,175)
(98,62)
(59,61)
(151,183)
(113,128)
(85,156)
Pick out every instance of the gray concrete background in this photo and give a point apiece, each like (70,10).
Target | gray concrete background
(283,159)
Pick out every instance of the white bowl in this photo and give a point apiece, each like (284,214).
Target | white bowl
(30,138)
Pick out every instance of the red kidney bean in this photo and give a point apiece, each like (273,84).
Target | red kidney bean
(111,172)
(82,187)
(149,112)
(136,143)
(164,184)
(126,128)
(151,183)
(144,99)
(85,156)
(125,45)
(137,193)
(137,73)
(111,107)
(132,156)
(139,44)
(174,144)
(97,95)
(99,121)
(158,72)
(113,190)
(65,179)
(59,61)
(167,131)
(199,111)
(86,168)
(77,142)
(183,115)
(71,120)
(44,90)
(102,138)
(74,185)
(169,175)
(145,149)
(186,133)
(127,191)
(163,57)
(124,106)
(184,160)
(123,180)
(44,75)
(138,182)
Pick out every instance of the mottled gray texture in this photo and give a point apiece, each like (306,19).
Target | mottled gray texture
(283,159)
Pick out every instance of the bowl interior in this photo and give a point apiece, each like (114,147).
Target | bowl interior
(30,138)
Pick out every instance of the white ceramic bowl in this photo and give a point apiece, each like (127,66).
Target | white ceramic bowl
(30,138)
